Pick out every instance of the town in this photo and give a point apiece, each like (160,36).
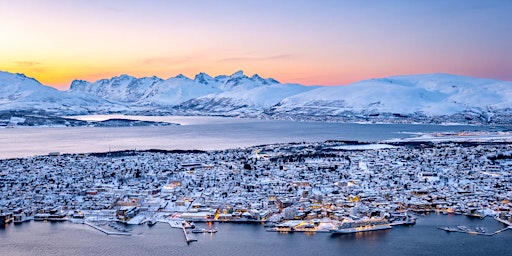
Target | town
(332,186)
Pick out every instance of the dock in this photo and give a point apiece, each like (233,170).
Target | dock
(106,231)
(187,238)
(501,230)
(503,221)
(466,230)
(174,224)
(472,232)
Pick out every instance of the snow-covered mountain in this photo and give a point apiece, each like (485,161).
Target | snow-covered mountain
(236,94)
(19,92)
(418,97)
(155,91)
(241,96)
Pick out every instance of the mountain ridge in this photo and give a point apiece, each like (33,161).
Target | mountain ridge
(425,98)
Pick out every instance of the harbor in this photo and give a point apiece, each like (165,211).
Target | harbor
(248,238)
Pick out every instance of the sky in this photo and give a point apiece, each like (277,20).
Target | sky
(312,42)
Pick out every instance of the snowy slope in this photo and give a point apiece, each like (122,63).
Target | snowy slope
(431,95)
(174,91)
(242,95)
(123,88)
(15,87)
(144,91)
(18,92)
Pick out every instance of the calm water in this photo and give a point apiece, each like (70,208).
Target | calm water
(205,133)
(39,238)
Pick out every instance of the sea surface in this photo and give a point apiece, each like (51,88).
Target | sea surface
(54,239)
(203,133)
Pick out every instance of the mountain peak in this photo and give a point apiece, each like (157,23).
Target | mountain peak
(77,84)
(237,74)
(14,82)
(181,76)
(123,77)
(258,78)
(203,78)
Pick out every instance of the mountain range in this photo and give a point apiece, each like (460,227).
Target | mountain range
(431,98)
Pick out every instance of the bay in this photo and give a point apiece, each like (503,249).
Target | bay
(202,133)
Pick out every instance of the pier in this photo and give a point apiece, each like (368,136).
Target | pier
(187,238)
(472,232)
(107,231)
(503,221)
(466,230)
(174,224)
(501,230)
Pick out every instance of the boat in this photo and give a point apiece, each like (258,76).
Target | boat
(269,225)
(6,217)
(78,214)
(450,229)
(407,221)
(481,230)
(287,226)
(463,228)
(57,217)
(57,214)
(41,216)
(204,230)
(22,217)
(365,225)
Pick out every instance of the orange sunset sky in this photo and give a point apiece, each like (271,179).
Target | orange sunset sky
(321,42)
